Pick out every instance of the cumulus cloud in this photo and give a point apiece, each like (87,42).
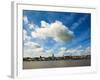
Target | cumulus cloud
(75,52)
(44,24)
(56,30)
(32,49)
(78,51)
(62,52)
(31,26)
(31,44)
(25,19)
(25,36)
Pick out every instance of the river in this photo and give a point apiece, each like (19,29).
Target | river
(55,64)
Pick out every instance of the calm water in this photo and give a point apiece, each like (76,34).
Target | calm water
(55,64)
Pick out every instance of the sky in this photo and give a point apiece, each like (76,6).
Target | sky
(59,33)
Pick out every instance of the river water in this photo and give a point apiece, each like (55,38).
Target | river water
(55,64)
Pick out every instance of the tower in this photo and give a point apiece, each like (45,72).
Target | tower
(53,57)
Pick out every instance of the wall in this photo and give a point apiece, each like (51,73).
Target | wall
(5,39)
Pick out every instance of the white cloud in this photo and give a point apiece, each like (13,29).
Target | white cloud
(79,50)
(60,54)
(76,24)
(44,24)
(87,51)
(62,48)
(74,52)
(31,26)
(25,19)
(32,49)
(31,44)
(25,36)
(29,52)
(55,30)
